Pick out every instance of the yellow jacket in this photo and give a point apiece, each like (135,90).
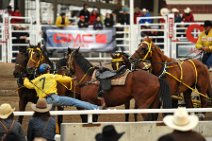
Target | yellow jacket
(46,84)
(59,20)
(204,40)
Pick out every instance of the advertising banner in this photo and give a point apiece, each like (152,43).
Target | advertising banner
(87,39)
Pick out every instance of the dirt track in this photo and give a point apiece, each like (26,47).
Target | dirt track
(9,94)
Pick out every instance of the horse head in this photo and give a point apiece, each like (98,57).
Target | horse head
(36,57)
(20,62)
(144,50)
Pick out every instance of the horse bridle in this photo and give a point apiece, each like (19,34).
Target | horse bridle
(41,57)
(149,51)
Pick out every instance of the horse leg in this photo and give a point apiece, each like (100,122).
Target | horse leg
(59,120)
(22,107)
(127,106)
(187,98)
(135,114)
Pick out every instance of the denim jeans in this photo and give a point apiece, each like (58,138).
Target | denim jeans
(207,59)
(56,100)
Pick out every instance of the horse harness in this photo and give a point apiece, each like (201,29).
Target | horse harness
(179,64)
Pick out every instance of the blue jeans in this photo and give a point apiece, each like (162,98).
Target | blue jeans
(56,100)
(207,59)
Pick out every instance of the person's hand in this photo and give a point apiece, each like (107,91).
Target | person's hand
(206,49)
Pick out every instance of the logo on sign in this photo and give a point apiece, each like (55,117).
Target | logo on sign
(79,39)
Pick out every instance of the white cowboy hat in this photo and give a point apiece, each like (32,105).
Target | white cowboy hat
(164,11)
(175,10)
(144,10)
(41,106)
(187,10)
(6,110)
(181,120)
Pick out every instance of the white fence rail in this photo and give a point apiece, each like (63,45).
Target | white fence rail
(90,113)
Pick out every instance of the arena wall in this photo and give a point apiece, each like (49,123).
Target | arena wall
(141,131)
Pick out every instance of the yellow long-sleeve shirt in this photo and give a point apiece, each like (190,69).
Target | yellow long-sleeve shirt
(59,21)
(46,84)
(204,40)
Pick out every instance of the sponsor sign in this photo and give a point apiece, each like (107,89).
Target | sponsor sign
(171,27)
(87,39)
(189,31)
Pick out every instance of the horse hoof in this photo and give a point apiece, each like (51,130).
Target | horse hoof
(201,116)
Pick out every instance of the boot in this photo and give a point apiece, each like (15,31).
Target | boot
(103,103)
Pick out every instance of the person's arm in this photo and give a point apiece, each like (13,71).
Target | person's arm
(62,79)
(28,84)
(199,43)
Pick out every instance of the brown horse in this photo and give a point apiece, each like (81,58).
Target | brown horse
(182,76)
(121,58)
(145,88)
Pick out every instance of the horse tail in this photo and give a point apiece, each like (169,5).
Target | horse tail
(165,93)
(209,90)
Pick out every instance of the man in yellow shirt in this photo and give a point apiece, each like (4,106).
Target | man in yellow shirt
(46,87)
(205,43)
(62,21)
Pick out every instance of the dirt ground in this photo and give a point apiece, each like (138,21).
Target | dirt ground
(8,93)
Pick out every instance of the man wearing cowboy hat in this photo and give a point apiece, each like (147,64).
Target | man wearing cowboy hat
(7,122)
(177,16)
(109,133)
(41,125)
(204,43)
(187,15)
(182,123)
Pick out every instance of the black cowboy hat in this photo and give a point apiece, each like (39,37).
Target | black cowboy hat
(207,23)
(109,133)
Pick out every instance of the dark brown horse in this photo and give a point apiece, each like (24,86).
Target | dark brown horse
(145,88)
(122,58)
(182,76)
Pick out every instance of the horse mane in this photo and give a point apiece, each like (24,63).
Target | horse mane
(83,63)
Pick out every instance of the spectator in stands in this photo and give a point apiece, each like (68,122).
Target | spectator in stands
(8,123)
(163,12)
(82,23)
(41,125)
(124,17)
(182,123)
(98,25)
(116,12)
(48,89)
(204,43)
(84,12)
(146,13)
(177,16)
(39,139)
(187,15)
(108,20)
(16,13)
(137,13)
(62,21)
(9,10)
(93,17)
(109,133)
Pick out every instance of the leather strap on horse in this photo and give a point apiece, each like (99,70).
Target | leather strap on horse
(187,85)
(79,83)
(149,49)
